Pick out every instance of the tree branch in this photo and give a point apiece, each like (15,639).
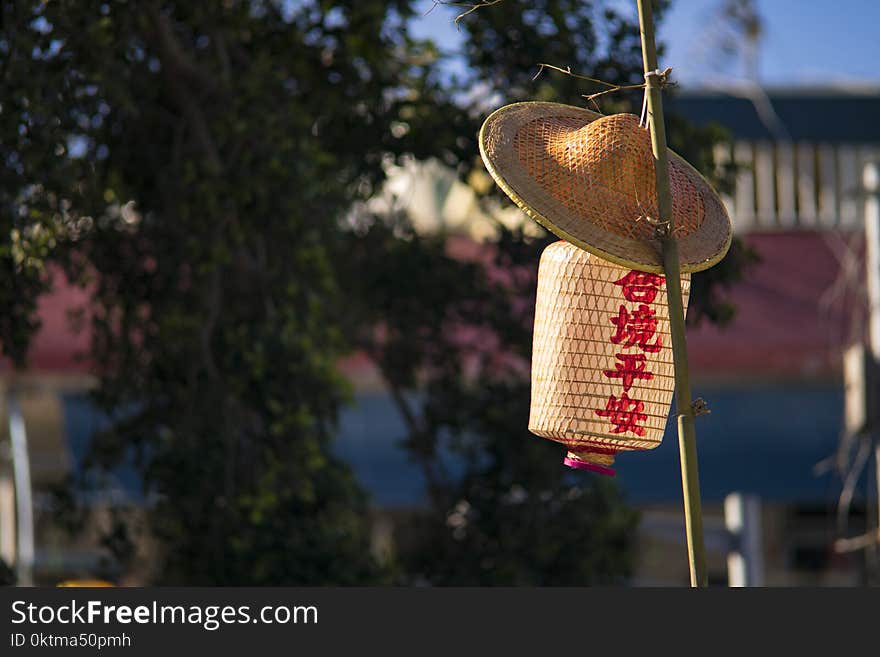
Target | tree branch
(437,478)
(178,57)
(471,7)
(177,65)
(857,543)
(612,88)
(213,302)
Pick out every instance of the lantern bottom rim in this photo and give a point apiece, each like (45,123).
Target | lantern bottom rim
(594,462)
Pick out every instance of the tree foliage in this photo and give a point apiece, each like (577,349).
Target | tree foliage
(193,158)
(195,164)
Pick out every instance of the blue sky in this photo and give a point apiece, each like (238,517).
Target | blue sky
(806,42)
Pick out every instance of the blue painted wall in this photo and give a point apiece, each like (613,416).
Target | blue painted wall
(758,439)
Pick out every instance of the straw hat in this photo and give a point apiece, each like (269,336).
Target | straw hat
(589,179)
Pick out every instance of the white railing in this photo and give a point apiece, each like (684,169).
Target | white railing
(796,185)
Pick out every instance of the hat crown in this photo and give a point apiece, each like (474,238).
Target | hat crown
(605,170)
(617,153)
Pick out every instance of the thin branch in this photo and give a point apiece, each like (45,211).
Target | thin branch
(173,67)
(214,303)
(612,88)
(567,71)
(435,474)
(471,7)
(178,56)
(223,56)
(432,468)
(857,543)
(851,481)
(611,91)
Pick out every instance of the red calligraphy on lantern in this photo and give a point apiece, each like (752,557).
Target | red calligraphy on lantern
(625,414)
(633,328)
(640,286)
(630,368)
(637,328)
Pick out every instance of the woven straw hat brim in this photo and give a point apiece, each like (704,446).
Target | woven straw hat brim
(699,249)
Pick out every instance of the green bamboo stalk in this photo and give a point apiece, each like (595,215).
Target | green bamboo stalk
(690,481)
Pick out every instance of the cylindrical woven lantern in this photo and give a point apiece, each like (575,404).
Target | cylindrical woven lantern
(602,371)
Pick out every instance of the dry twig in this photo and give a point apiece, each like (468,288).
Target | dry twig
(471,7)
(612,88)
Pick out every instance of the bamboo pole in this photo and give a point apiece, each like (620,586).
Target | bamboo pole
(690,480)
(871,184)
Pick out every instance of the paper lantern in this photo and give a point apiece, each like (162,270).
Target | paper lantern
(602,370)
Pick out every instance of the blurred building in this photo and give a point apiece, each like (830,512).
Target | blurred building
(772,377)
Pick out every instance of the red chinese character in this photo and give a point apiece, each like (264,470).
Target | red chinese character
(636,328)
(624,414)
(631,368)
(640,286)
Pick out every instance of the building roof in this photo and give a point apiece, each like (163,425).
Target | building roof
(817,115)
